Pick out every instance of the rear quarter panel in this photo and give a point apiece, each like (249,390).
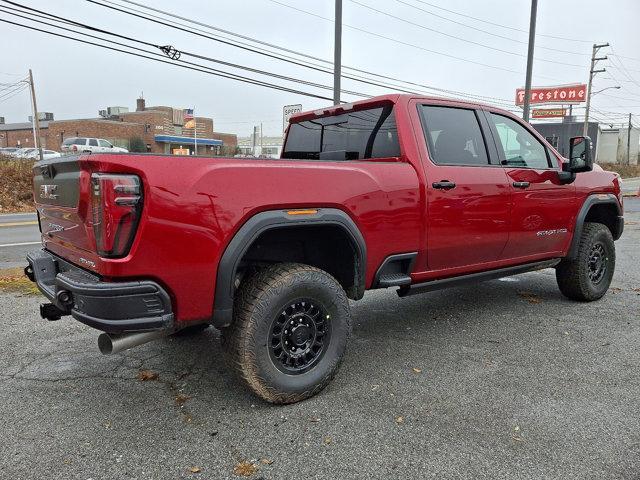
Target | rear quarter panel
(193,207)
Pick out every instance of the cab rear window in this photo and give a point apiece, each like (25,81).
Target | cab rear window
(357,135)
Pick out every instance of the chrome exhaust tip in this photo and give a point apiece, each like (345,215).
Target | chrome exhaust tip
(110,344)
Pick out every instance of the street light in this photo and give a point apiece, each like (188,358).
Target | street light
(608,88)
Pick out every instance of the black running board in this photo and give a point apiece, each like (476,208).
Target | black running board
(474,277)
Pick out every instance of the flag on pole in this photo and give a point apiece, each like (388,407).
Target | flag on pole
(189,119)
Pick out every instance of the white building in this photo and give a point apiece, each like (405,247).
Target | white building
(256,146)
(612,145)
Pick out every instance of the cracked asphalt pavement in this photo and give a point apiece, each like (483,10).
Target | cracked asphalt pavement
(505,379)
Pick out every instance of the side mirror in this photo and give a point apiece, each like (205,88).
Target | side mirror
(580,159)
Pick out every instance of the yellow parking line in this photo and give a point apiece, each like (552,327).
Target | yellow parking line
(19,224)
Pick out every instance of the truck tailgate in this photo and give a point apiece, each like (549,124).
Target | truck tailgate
(57,186)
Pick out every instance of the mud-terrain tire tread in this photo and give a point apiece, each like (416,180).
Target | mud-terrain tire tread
(250,304)
(572,275)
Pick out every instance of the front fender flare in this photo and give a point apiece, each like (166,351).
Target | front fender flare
(595,199)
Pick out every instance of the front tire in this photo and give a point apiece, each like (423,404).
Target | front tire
(289,332)
(587,277)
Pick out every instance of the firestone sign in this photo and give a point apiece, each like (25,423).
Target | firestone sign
(563,94)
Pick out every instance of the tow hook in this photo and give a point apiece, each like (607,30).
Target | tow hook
(50,312)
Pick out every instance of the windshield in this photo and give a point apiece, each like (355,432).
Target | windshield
(357,135)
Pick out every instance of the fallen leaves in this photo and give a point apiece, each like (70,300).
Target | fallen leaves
(530,297)
(516,434)
(327,440)
(147,375)
(181,399)
(417,370)
(195,469)
(399,420)
(266,461)
(13,280)
(245,469)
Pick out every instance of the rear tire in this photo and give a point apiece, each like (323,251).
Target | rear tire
(587,277)
(289,332)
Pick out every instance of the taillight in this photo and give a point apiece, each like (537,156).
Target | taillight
(116,202)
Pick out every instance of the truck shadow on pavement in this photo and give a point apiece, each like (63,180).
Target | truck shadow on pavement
(390,332)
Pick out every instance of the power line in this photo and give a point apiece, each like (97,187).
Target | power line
(12,93)
(487,32)
(401,42)
(207,70)
(262,72)
(350,76)
(233,65)
(356,78)
(502,25)
(473,42)
(302,54)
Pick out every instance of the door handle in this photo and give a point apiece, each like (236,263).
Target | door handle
(444,185)
(521,184)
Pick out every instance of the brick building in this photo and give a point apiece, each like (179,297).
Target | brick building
(160,128)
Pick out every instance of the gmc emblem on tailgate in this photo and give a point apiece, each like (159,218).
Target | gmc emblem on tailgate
(48,191)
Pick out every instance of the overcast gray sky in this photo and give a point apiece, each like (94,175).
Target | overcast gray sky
(75,80)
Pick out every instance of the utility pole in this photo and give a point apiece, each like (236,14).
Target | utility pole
(629,142)
(532,39)
(337,53)
(36,120)
(592,73)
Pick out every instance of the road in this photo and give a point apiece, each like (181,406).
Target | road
(631,186)
(513,381)
(18,234)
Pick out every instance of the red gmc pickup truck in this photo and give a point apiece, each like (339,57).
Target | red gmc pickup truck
(396,191)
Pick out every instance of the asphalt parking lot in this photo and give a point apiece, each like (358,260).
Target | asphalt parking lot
(506,379)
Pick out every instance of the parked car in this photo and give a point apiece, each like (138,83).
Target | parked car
(23,152)
(7,150)
(46,154)
(89,145)
(400,191)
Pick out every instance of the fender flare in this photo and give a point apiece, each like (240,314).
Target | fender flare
(591,200)
(269,220)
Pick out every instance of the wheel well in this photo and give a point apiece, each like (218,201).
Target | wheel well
(328,247)
(607,214)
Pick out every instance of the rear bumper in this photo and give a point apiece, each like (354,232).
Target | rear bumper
(113,307)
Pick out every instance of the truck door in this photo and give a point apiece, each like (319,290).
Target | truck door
(542,213)
(468,195)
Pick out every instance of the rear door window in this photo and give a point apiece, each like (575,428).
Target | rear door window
(357,135)
(454,136)
(93,142)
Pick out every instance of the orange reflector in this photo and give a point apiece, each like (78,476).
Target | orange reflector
(302,212)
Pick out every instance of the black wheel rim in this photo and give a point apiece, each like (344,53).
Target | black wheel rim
(299,336)
(597,263)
